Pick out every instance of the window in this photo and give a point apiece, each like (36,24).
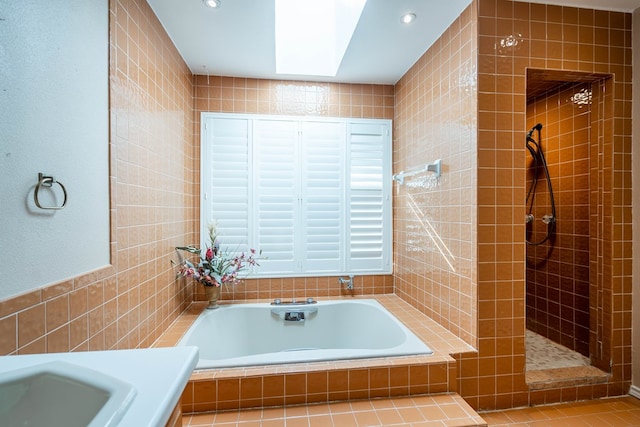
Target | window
(312,194)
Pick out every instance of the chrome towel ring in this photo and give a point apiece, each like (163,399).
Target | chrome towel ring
(48,181)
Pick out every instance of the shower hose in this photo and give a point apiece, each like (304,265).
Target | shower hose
(539,161)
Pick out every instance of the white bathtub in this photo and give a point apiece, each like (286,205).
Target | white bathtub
(258,334)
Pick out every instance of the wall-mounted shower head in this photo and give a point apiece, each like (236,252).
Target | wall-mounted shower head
(537,127)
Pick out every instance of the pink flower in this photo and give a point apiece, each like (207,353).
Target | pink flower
(215,266)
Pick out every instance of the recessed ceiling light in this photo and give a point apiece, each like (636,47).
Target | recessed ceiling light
(408,18)
(213,4)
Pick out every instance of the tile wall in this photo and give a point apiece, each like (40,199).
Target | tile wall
(296,98)
(557,275)
(514,37)
(610,283)
(511,37)
(572,40)
(153,203)
(434,218)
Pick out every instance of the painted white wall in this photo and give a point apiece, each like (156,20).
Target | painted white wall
(635,186)
(53,119)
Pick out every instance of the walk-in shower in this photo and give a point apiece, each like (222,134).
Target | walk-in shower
(538,165)
(562,190)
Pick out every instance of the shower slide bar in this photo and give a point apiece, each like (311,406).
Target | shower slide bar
(435,167)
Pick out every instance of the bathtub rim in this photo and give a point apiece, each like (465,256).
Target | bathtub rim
(314,356)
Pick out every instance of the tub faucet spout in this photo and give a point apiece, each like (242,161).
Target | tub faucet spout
(294,316)
(348,282)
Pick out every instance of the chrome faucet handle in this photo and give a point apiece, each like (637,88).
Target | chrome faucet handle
(277,301)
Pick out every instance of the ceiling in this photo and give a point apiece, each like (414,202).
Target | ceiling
(237,39)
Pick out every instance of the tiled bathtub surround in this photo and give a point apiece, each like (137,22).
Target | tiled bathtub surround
(306,383)
(301,288)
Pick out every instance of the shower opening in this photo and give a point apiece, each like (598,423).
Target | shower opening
(566,118)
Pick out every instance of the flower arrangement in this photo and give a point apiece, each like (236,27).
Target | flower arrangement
(216,267)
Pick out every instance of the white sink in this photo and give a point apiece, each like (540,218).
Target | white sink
(62,394)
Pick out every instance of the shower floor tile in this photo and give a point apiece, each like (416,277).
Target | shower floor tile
(550,365)
(543,354)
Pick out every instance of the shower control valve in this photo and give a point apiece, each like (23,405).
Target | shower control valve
(548,219)
(529,218)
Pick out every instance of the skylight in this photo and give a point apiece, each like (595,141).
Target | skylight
(312,35)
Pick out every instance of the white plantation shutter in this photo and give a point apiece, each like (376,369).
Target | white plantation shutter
(276,193)
(369,209)
(312,194)
(323,177)
(225,170)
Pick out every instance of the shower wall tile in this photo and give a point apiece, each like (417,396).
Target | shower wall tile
(153,204)
(254,96)
(558,270)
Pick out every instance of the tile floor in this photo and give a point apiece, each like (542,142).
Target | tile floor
(448,409)
(611,412)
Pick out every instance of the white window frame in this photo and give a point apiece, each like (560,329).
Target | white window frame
(381,264)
